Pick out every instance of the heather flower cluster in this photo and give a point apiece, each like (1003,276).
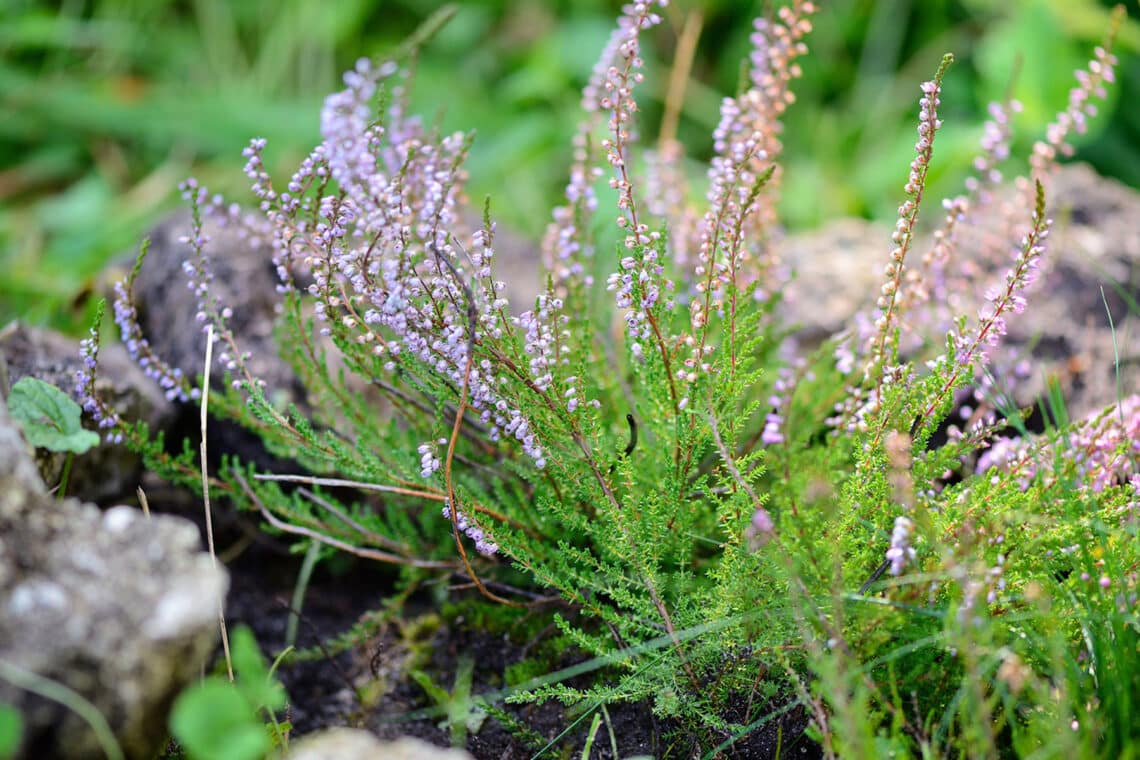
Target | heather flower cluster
(731,250)
(901,551)
(170,379)
(939,285)
(104,416)
(639,281)
(1090,84)
(1006,298)
(1104,449)
(872,338)
(732,195)
(616,98)
(429,458)
(483,544)
(777,46)
(383,263)
(774,420)
(903,235)
(970,347)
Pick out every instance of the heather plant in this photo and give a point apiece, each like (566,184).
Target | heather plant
(737,526)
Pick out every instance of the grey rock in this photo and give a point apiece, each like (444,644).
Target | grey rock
(838,271)
(116,607)
(106,473)
(356,744)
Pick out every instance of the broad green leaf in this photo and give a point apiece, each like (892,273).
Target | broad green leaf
(438,695)
(253,678)
(214,721)
(50,419)
(11,728)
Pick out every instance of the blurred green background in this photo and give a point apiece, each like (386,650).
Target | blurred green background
(106,105)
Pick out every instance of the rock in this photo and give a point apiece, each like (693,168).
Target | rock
(106,473)
(838,270)
(356,744)
(118,608)
(20,478)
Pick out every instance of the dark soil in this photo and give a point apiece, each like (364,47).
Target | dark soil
(323,691)
(323,688)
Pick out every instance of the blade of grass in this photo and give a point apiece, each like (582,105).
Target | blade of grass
(206,498)
(1115,357)
(72,700)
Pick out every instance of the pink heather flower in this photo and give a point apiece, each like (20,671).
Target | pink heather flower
(761,530)
(940,282)
(733,172)
(1090,84)
(900,551)
(170,379)
(103,414)
(429,462)
(622,63)
(889,301)
(774,421)
(740,214)
(1006,297)
(367,220)
(664,192)
(930,285)
(384,244)
(970,347)
(638,285)
(771,433)
(567,244)
(1001,452)
(539,326)
(777,47)
(1104,447)
(483,544)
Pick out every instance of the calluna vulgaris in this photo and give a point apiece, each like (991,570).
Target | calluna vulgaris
(738,527)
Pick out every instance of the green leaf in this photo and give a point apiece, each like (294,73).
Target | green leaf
(438,695)
(214,721)
(11,729)
(253,677)
(50,419)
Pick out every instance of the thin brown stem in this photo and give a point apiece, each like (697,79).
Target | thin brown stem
(679,76)
(314,535)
